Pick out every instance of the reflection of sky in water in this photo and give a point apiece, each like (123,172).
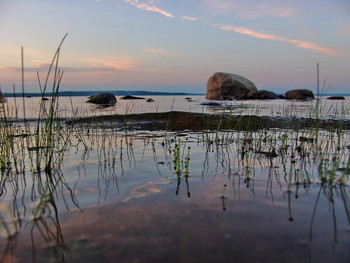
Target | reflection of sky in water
(135,206)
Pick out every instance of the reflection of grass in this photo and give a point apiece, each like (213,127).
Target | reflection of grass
(41,146)
(299,161)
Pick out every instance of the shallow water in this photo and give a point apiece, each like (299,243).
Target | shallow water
(124,199)
(77,106)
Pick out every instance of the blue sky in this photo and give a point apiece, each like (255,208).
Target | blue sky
(176,45)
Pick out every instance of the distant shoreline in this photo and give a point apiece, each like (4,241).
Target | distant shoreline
(90,93)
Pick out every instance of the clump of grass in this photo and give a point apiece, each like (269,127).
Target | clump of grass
(41,143)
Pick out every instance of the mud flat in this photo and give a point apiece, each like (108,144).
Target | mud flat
(178,120)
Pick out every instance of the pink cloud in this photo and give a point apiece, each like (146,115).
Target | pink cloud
(8,69)
(117,63)
(298,43)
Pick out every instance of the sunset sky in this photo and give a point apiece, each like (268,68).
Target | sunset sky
(176,45)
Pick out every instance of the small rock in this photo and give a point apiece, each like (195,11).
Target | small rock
(260,95)
(130,97)
(210,103)
(300,94)
(336,98)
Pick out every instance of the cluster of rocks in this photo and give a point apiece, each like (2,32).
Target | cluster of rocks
(108,99)
(224,86)
(227,86)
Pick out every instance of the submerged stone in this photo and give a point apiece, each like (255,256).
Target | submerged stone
(210,103)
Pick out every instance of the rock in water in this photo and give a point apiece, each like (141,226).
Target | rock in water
(261,95)
(104,98)
(300,94)
(130,97)
(228,86)
(336,98)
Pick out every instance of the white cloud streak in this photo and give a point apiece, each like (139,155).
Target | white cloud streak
(148,6)
(190,18)
(298,43)
(155,50)
(159,51)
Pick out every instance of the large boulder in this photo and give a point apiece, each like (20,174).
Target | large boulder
(104,98)
(261,95)
(300,94)
(228,86)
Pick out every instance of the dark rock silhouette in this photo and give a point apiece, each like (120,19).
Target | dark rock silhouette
(336,98)
(261,95)
(210,103)
(130,97)
(300,94)
(105,98)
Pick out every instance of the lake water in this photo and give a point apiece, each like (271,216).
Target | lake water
(161,196)
(70,106)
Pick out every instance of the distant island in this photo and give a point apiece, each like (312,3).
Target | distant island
(90,93)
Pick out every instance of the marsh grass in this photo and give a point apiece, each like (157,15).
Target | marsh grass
(43,143)
(36,147)
(299,162)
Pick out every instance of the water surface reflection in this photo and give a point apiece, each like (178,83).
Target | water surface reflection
(190,198)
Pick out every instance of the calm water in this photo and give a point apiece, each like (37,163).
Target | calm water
(219,197)
(71,106)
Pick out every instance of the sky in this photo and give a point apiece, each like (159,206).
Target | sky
(176,45)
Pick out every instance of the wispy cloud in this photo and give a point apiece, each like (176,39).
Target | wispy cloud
(116,63)
(9,69)
(298,43)
(190,18)
(159,51)
(43,68)
(91,65)
(251,8)
(148,6)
